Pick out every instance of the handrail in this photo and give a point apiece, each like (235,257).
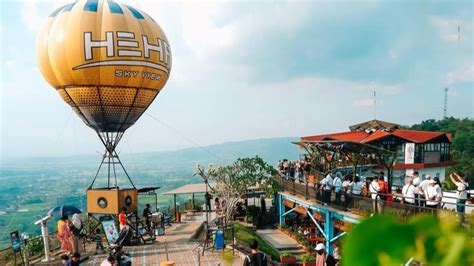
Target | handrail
(301,189)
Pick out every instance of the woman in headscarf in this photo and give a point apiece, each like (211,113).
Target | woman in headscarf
(64,233)
(76,227)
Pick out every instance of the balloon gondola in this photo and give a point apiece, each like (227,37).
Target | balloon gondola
(108,62)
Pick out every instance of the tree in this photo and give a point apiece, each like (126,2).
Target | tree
(462,147)
(231,182)
(431,240)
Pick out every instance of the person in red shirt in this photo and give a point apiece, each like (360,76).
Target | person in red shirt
(123,219)
(383,188)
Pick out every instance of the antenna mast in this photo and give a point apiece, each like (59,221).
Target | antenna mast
(445,110)
(374,105)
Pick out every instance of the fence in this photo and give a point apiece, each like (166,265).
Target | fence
(35,249)
(363,205)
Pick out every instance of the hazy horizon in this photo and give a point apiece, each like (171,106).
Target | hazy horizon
(244,71)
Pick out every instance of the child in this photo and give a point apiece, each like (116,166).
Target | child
(98,241)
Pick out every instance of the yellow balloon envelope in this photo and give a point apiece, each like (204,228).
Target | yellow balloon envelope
(106,60)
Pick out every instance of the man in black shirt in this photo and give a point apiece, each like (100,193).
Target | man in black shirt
(147,216)
(256,258)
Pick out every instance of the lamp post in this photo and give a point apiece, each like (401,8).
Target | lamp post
(26,254)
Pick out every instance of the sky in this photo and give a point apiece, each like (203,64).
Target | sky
(255,69)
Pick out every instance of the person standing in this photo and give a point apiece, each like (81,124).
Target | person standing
(461,192)
(431,196)
(208,198)
(98,242)
(217,204)
(147,217)
(255,258)
(357,187)
(347,188)
(326,184)
(422,190)
(416,183)
(337,184)
(408,192)
(64,234)
(374,188)
(123,219)
(322,257)
(76,228)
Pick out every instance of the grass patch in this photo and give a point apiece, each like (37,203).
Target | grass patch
(246,235)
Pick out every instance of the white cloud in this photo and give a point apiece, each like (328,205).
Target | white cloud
(30,15)
(366,102)
(10,63)
(453,93)
(391,89)
(461,75)
(447,28)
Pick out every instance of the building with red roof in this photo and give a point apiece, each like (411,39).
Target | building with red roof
(424,151)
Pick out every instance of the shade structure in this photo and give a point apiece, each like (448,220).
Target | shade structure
(106,60)
(63,210)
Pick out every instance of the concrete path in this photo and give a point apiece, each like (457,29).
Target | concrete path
(280,241)
(175,242)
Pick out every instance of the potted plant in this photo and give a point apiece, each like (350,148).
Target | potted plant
(308,260)
(286,257)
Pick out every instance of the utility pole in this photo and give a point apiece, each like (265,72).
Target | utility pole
(445,110)
(375,105)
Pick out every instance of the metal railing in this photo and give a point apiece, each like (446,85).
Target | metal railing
(35,246)
(363,205)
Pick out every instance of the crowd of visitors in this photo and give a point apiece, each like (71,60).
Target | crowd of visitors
(295,170)
(418,194)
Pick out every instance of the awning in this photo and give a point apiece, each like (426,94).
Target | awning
(189,189)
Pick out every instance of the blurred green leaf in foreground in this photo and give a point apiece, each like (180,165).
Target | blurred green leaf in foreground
(431,240)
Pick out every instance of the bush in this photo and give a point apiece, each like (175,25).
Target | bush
(246,235)
(308,258)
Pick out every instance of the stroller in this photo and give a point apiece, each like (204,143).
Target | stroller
(116,248)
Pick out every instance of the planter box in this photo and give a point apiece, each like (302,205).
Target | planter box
(312,263)
(290,259)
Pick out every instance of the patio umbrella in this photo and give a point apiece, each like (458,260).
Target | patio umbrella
(63,210)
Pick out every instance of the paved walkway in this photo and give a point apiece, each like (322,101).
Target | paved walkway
(176,242)
(280,241)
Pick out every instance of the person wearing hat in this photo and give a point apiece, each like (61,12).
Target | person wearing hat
(431,195)
(322,257)
(422,190)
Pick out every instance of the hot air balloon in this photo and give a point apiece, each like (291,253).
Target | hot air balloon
(107,61)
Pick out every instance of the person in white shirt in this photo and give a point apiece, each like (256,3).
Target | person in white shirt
(374,189)
(461,191)
(326,183)
(422,190)
(408,192)
(431,195)
(357,187)
(347,188)
(337,184)
(416,183)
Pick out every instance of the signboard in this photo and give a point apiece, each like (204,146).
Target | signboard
(15,238)
(342,225)
(289,204)
(301,210)
(409,153)
(319,217)
(110,231)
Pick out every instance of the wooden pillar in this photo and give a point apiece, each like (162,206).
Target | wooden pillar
(193,202)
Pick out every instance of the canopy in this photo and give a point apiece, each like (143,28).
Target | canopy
(189,189)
